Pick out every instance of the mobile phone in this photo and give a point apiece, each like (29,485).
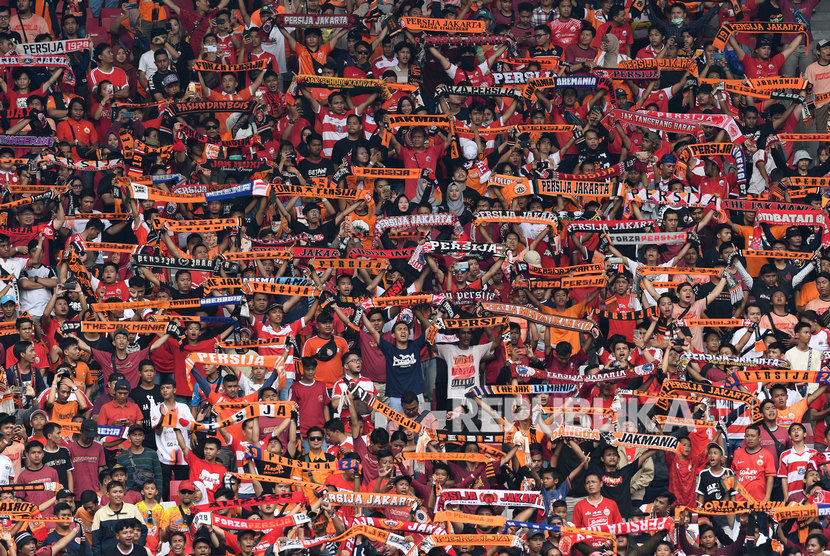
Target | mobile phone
(131,5)
(211,48)
(718,56)
(191,89)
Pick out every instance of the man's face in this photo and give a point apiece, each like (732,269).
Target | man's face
(404,55)
(411,409)
(338,105)
(565,10)
(228,83)
(116,494)
(177,543)
(231,389)
(163,62)
(315,147)
(752,439)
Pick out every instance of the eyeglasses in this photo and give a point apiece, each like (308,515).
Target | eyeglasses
(211,127)
(538,35)
(6,16)
(362,52)
(315,438)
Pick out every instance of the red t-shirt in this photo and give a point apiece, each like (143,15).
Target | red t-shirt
(623,33)
(209,473)
(752,470)
(587,514)
(755,68)
(310,398)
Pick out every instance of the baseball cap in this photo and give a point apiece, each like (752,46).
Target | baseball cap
(65,493)
(37,412)
(485,13)
(533,258)
(763,41)
(168,80)
(118,467)
(122,385)
(89,427)
(668,158)
(135,427)
(187,485)
(114,377)
(6,299)
(121,330)
(714,445)
(822,43)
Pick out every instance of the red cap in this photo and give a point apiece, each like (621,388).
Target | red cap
(187,485)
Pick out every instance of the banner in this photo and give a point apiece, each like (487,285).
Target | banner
(256,65)
(388,173)
(783,375)
(51,48)
(659,238)
(211,106)
(727,29)
(311,20)
(803,217)
(282,189)
(441,25)
(186,264)
(592,268)
(542,218)
(668,64)
(372,500)
(570,188)
(589,82)
(486,497)
(567,323)
(671,388)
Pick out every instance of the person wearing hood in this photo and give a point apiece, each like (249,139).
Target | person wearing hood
(802,162)
(609,52)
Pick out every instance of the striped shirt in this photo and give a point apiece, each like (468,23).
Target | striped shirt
(793,466)
(334,128)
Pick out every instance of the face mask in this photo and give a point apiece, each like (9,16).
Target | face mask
(677,21)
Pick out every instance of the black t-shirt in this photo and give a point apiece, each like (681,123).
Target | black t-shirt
(315,169)
(322,235)
(711,487)
(721,307)
(144,399)
(616,485)
(60,461)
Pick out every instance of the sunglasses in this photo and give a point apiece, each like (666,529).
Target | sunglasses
(362,52)
(315,438)
(211,127)
(221,21)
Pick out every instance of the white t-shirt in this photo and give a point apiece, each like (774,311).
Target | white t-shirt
(34,301)
(147,64)
(6,470)
(462,367)
(167,445)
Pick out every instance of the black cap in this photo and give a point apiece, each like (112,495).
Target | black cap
(89,428)
(763,41)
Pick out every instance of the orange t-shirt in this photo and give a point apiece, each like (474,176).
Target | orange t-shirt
(309,58)
(329,371)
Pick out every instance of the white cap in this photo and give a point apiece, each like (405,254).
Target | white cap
(533,258)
